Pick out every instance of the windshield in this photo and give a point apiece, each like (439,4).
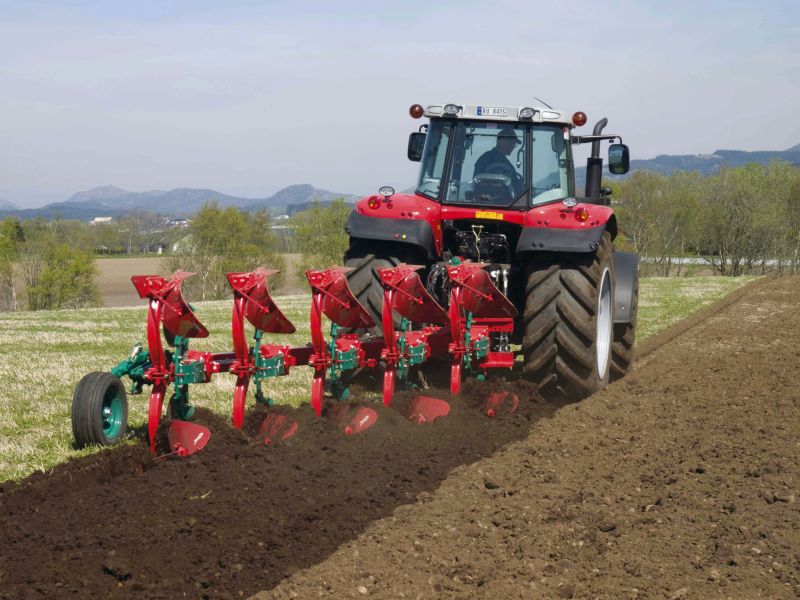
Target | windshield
(494,164)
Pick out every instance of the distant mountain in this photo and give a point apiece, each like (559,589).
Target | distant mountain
(180,201)
(707,164)
(295,196)
(112,201)
(99,194)
(7,205)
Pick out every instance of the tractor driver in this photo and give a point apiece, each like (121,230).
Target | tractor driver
(496,160)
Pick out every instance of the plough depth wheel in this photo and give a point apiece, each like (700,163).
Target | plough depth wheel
(99,410)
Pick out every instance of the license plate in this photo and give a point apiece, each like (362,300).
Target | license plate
(488,214)
(492,111)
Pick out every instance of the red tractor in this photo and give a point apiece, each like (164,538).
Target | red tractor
(496,186)
(492,252)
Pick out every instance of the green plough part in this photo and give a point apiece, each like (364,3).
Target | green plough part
(134,367)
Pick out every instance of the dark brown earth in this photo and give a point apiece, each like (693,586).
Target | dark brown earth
(679,481)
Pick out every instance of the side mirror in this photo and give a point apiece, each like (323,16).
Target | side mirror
(619,160)
(416,142)
(557,144)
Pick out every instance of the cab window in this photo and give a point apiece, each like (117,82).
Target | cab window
(549,164)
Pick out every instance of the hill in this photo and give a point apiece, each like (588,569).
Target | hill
(707,164)
(7,205)
(112,201)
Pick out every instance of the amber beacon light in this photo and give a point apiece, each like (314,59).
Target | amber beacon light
(416,111)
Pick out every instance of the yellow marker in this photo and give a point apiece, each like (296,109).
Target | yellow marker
(487,214)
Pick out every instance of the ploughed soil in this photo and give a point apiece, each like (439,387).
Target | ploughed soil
(679,481)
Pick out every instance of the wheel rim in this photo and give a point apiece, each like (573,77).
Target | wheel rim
(604,324)
(112,413)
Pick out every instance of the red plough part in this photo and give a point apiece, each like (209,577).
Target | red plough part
(426,409)
(167,306)
(480,317)
(352,419)
(503,402)
(332,297)
(277,427)
(404,293)
(187,438)
(252,301)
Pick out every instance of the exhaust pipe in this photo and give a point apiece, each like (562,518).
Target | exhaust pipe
(594,164)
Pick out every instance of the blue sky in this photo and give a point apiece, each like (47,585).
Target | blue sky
(247,97)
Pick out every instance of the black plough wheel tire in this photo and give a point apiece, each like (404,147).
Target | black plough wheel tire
(568,320)
(623,346)
(99,410)
(366,285)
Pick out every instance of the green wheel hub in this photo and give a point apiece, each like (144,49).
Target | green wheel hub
(112,413)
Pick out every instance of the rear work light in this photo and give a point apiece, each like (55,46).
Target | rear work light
(451,109)
(416,111)
(579,118)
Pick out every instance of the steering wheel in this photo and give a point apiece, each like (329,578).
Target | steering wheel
(493,178)
(511,178)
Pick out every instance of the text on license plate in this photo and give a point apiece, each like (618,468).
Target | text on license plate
(492,111)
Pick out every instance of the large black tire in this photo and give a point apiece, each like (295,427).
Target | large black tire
(99,410)
(568,322)
(624,344)
(366,285)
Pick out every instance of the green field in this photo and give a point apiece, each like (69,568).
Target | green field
(46,353)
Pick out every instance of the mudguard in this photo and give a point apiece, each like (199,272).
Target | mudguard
(626,266)
(409,231)
(543,239)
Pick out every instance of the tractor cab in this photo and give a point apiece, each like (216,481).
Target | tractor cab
(512,158)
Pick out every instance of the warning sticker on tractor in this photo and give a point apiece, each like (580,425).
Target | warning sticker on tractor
(488,214)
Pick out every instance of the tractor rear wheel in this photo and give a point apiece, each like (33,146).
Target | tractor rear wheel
(99,410)
(568,320)
(623,346)
(366,285)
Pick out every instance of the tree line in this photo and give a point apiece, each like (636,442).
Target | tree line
(743,220)
(44,266)
(50,264)
(739,220)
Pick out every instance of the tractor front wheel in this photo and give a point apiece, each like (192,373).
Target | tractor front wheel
(569,321)
(99,410)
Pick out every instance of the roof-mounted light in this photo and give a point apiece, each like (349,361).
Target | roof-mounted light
(416,111)
(527,112)
(579,118)
(451,109)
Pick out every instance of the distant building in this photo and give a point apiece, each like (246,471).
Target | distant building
(97,220)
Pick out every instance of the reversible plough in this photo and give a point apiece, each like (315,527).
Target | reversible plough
(478,316)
